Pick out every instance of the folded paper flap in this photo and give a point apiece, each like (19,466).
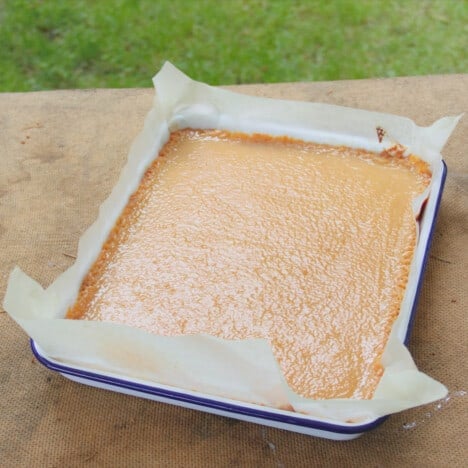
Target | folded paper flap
(208,364)
(217,108)
(31,303)
(435,136)
(173,88)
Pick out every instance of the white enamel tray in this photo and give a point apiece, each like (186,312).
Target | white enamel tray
(255,413)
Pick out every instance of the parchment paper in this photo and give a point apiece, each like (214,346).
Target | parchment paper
(203,363)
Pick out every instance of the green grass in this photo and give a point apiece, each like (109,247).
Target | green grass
(122,43)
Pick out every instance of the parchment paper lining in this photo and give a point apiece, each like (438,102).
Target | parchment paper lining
(208,364)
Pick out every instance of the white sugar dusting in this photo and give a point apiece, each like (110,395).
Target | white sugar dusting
(272,447)
(410,425)
(440,404)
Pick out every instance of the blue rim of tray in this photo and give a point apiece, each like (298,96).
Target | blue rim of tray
(205,402)
(239,409)
(426,254)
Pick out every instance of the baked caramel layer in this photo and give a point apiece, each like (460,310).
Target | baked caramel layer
(239,236)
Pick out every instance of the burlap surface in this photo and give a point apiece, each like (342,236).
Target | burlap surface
(61,152)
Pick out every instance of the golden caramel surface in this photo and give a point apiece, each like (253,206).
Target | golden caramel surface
(239,236)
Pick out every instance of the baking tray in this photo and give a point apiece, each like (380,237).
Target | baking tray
(273,417)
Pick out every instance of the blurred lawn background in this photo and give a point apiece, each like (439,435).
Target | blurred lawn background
(121,43)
